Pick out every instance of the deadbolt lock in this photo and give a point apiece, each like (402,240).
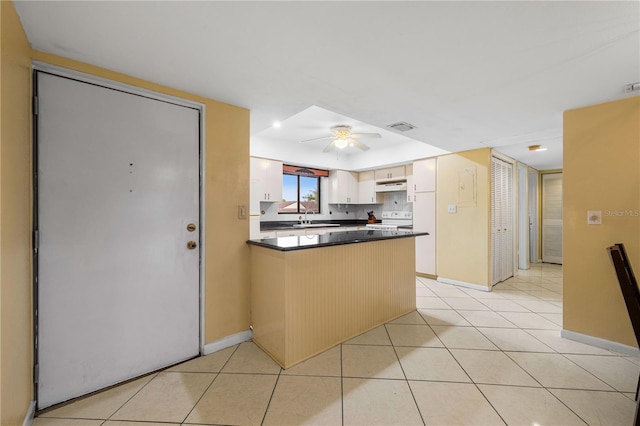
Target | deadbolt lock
(192,245)
(191,227)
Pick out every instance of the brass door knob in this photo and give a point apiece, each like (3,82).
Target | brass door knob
(191,227)
(192,245)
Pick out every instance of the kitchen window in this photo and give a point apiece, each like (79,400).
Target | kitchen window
(300,190)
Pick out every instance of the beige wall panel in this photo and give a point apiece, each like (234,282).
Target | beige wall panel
(16,337)
(332,293)
(601,172)
(464,240)
(267,302)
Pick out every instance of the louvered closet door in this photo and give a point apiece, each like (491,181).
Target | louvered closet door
(495,227)
(501,220)
(507,221)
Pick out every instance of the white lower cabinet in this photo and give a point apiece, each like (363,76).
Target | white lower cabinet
(424,220)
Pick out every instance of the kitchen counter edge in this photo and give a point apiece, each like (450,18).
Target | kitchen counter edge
(337,239)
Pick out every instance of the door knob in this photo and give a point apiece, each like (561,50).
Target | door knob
(192,245)
(191,227)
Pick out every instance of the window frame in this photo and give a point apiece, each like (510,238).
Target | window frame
(299,172)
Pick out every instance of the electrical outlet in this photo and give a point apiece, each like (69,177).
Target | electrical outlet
(452,208)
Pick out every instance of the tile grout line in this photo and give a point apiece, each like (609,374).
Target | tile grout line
(406,379)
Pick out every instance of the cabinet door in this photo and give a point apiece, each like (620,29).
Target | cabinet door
(274,181)
(367,188)
(410,188)
(390,173)
(424,175)
(424,220)
(397,172)
(268,174)
(343,187)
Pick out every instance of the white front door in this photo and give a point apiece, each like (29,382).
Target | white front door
(117,186)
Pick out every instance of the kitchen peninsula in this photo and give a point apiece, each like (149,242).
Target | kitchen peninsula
(311,292)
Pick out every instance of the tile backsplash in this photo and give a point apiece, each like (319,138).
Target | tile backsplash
(393,201)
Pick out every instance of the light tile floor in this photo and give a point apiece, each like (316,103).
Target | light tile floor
(464,357)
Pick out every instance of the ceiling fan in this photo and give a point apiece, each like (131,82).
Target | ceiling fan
(342,137)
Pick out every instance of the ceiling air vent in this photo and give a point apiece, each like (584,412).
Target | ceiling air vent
(401,126)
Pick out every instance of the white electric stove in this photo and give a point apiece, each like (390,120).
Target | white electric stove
(392,220)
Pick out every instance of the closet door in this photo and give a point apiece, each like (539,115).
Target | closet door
(552,218)
(507,221)
(496,228)
(502,220)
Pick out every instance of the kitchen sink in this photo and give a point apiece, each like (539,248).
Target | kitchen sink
(315,225)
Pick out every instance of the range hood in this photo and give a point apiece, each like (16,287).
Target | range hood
(391,186)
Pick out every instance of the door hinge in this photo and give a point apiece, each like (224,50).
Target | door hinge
(36,373)
(35,105)
(36,240)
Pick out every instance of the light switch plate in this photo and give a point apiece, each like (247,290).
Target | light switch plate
(594,217)
(452,208)
(242,212)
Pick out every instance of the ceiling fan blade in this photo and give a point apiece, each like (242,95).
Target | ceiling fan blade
(366,135)
(330,146)
(358,144)
(316,139)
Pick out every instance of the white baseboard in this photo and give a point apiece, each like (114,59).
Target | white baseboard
(463,284)
(28,418)
(600,343)
(227,342)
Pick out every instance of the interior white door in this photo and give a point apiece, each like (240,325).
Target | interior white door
(118,289)
(552,218)
(502,221)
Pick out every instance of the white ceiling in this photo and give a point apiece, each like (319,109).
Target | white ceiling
(466,74)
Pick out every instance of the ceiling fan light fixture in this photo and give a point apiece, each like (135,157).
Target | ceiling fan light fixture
(340,143)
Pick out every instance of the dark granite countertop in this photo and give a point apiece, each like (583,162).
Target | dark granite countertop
(280,225)
(299,242)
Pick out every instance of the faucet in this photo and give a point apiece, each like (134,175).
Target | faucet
(305,216)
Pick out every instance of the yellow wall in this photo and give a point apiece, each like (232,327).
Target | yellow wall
(601,172)
(463,243)
(15,219)
(227,185)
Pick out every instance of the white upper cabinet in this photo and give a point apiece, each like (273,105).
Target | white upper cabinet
(343,187)
(390,173)
(409,172)
(267,175)
(367,188)
(424,175)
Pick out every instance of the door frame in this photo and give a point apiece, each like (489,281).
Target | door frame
(523,216)
(38,66)
(533,178)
